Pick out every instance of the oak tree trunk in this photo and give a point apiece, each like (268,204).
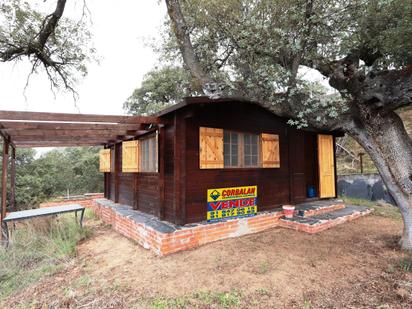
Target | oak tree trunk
(385,139)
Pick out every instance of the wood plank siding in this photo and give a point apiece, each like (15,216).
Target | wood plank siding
(273,184)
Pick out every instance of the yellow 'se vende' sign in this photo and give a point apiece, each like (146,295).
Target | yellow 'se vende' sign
(234,202)
(224,194)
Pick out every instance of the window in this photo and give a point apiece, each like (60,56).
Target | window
(250,146)
(241,149)
(230,149)
(220,148)
(148,154)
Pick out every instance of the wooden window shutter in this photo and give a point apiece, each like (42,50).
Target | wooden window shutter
(211,148)
(105,162)
(270,150)
(130,157)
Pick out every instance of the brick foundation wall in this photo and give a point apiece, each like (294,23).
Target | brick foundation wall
(84,201)
(316,228)
(185,238)
(321,211)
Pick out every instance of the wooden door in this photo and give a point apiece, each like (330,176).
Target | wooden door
(326,166)
(297,166)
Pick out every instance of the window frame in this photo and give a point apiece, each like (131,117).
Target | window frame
(241,150)
(154,156)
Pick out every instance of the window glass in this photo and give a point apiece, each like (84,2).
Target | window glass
(251,145)
(230,149)
(148,154)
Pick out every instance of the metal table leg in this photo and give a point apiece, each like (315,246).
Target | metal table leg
(81,217)
(5,232)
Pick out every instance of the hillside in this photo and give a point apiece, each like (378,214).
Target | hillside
(349,163)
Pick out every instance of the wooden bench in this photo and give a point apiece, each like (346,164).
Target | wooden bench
(41,212)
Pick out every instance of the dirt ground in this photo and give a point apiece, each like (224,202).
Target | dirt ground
(354,265)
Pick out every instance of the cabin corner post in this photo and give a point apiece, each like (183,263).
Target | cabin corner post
(4,186)
(104,181)
(117,166)
(179,173)
(335,166)
(13,179)
(161,159)
(104,185)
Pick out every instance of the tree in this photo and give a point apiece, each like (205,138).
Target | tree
(54,173)
(59,45)
(160,87)
(255,51)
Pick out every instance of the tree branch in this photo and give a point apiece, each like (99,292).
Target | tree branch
(37,46)
(51,22)
(388,90)
(37,49)
(208,85)
(297,59)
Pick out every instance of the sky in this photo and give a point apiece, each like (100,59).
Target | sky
(121,30)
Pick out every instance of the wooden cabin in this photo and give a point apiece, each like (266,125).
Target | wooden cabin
(202,144)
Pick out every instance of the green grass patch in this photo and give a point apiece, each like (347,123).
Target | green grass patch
(383,210)
(38,248)
(166,303)
(263,292)
(89,214)
(263,267)
(228,299)
(231,299)
(406,264)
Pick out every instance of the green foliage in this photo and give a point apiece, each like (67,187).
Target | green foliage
(67,50)
(253,47)
(38,248)
(73,170)
(160,87)
(384,26)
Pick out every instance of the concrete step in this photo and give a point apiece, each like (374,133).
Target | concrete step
(319,207)
(317,223)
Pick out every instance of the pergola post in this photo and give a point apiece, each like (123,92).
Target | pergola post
(13,179)
(4,184)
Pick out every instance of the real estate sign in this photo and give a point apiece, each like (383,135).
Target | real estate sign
(235,202)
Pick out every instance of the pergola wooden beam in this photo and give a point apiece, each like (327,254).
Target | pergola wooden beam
(58,144)
(40,140)
(4,185)
(39,116)
(19,125)
(34,129)
(73,133)
(5,135)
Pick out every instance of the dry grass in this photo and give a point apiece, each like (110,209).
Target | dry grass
(354,265)
(379,208)
(38,248)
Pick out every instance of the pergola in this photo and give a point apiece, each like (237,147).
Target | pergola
(35,129)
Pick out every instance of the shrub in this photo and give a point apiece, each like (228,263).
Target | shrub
(38,248)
